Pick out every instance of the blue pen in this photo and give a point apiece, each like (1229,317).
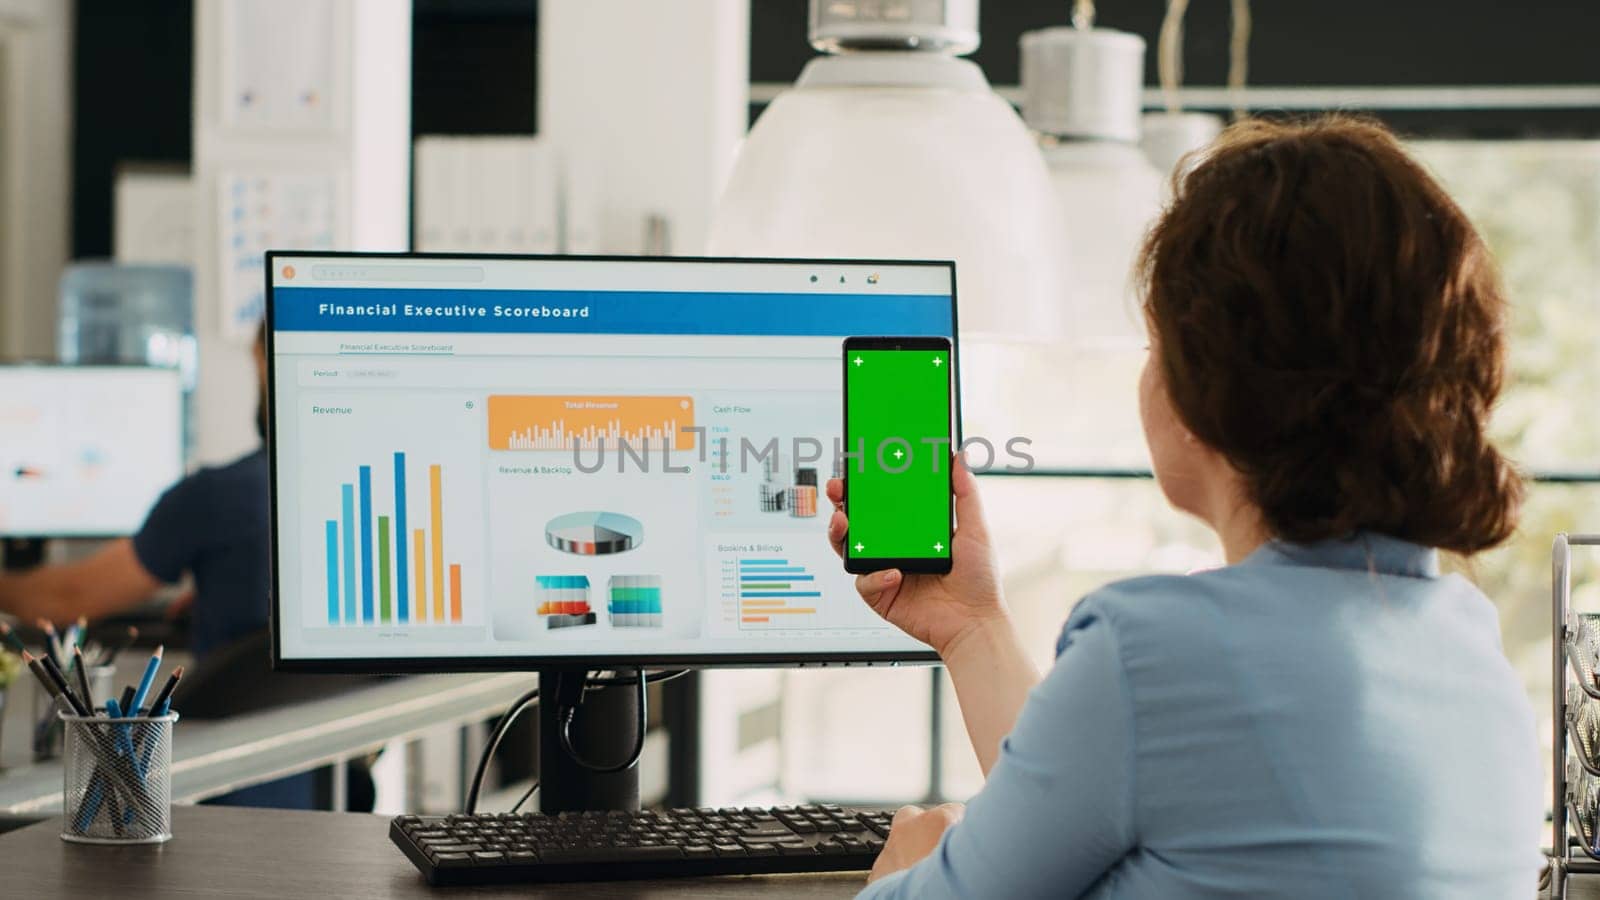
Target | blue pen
(102,789)
(125,747)
(144,683)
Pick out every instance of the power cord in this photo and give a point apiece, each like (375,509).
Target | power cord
(569,700)
(568,710)
(495,737)
(526,796)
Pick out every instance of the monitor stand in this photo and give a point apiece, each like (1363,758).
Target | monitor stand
(602,732)
(21,554)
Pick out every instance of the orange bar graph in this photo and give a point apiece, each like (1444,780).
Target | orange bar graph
(455,593)
(436,495)
(421,593)
(554,423)
(781,612)
(755,619)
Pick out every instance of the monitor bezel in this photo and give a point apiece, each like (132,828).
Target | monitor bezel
(395,665)
(182,468)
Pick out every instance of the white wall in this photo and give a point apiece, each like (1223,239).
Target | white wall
(646,103)
(35,170)
(350,149)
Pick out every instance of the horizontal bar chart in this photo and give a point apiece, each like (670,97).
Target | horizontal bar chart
(767,587)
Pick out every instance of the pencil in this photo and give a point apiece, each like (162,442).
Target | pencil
(150,669)
(158,706)
(53,682)
(82,668)
(51,638)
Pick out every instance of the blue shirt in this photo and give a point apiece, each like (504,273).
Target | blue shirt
(214,525)
(1319,721)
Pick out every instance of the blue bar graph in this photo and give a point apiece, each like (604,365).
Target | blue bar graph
(348,493)
(763,562)
(777,577)
(366,544)
(402,568)
(333,572)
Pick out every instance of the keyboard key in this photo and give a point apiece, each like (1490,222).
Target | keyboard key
(453,860)
(489,856)
(728,849)
(611,854)
(698,851)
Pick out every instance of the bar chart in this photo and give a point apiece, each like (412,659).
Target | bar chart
(773,592)
(635,601)
(563,600)
(381,571)
(568,423)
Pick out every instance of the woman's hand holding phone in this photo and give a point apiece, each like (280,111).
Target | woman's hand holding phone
(935,609)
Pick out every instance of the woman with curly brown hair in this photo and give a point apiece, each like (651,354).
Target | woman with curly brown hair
(1328,715)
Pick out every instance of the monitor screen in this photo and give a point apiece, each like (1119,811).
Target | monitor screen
(86,450)
(503,462)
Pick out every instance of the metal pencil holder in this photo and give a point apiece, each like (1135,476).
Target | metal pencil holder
(117,779)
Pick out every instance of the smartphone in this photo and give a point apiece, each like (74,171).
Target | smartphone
(897,453)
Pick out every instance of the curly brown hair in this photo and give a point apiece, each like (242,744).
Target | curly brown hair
(1328,319)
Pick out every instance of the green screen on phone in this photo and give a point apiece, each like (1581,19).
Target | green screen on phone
(897,418)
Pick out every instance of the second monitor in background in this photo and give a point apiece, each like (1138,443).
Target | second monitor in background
(87,450)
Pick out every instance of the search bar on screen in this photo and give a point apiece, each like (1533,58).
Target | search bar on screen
(398,273)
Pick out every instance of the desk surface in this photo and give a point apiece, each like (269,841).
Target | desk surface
(275,853)
(213,757)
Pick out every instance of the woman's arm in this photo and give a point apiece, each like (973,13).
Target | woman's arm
(1056,813)
(962,616)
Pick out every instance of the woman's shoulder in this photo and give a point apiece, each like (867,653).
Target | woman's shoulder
(1152,599)
(1188,613)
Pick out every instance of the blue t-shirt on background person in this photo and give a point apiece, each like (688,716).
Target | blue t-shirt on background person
(214,525)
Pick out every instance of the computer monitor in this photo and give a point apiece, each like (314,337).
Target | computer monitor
(85,451)
(520,462)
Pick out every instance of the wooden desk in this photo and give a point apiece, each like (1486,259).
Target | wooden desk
(241,853)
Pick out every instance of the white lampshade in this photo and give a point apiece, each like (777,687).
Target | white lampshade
(900,154)
(1111,194)
(1168,137)
(1081,91)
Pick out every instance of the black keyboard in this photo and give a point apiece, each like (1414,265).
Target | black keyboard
(612,846)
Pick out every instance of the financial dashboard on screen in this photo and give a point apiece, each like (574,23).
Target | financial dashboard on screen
(85,451)
(497,462)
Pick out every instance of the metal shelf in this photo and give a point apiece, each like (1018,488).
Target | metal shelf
(1575,652)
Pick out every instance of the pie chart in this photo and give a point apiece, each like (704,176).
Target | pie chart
(594,533)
